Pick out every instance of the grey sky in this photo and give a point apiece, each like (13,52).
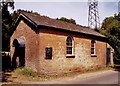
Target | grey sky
(75,10)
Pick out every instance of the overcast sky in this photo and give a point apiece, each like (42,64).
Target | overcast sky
(76,9)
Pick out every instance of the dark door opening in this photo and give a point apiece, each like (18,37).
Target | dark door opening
(108,56)
(18,59)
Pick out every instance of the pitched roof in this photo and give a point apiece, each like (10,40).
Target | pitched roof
(57,24)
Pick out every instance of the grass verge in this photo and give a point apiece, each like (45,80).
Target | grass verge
(33,76)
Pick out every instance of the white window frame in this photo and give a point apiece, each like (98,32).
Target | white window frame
(70,46)
(94,47)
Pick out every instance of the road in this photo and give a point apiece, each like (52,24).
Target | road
(103,77)
(100,77)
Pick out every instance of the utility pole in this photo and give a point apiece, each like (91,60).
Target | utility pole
(93,15)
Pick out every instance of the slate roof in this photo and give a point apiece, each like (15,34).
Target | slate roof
(57,24)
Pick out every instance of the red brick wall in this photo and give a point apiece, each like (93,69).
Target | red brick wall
(82,50)
(31,44)
(35,45)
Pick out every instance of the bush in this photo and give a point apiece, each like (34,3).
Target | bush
(28,72)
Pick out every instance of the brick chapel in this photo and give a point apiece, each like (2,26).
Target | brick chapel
(48,45)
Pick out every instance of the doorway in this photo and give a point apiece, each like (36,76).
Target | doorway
(108,56)
(18,59)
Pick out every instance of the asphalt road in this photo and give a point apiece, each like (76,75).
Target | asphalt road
(104,77)
(101,77)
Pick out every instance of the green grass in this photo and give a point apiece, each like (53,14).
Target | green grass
(26,72)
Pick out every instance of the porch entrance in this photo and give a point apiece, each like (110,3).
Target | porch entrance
(18,59)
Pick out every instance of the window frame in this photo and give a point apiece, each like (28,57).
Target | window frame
(48,53)
(70,45)
(93,48)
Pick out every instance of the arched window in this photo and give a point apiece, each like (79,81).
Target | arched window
(69,46)
(93,47)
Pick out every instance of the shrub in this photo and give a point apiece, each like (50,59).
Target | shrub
(28,72)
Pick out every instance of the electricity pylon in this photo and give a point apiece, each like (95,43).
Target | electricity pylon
(93,16)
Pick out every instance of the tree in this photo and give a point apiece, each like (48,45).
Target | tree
(8,20)
(111,28)
(6,23)
(67,20)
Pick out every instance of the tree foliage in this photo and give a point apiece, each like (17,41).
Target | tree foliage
(6,23)
(8,20)
(67,20)
(111,28)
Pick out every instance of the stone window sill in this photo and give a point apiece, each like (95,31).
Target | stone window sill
(70,56)
(93,55)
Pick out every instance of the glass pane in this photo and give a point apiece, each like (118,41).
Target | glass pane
(92,51)
(92,45)
(69,45)
(69,42)
(48,53)
(69,39)
(69,50)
